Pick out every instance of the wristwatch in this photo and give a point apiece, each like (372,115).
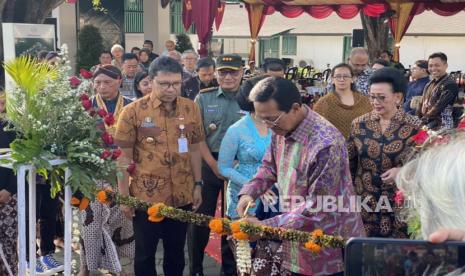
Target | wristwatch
(198,183)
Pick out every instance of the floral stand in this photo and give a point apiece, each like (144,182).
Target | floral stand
(21,175)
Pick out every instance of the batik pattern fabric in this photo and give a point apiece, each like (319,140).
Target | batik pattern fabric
(106,236)
(309,163)
(371,154)
(9,237)
(163,172)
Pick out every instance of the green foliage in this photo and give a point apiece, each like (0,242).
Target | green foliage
(183,43)
(90,47)
(51,123)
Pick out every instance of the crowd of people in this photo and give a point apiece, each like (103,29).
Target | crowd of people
(198,131)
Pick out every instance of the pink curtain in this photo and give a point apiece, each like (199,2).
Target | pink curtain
(187,14)
(202,13)
(219,15)
(323,11)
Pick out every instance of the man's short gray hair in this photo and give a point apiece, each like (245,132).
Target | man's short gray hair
(187,52)
(358,51)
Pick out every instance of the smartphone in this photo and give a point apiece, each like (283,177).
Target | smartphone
(398,257)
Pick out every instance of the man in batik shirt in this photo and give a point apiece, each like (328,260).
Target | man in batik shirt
(307,159)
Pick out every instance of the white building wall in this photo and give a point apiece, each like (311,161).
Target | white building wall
(318,51)
(414,48)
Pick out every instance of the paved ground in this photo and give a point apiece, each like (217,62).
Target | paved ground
(211,267)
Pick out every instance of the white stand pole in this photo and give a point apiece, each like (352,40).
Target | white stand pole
(22,220)
(68,225)
(32,217)
(32,222)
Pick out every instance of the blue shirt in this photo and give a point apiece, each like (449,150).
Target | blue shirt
(241,142)
(415,88)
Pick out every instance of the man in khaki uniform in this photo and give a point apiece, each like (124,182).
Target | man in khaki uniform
(219,110)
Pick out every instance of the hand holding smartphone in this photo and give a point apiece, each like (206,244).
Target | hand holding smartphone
(397,257)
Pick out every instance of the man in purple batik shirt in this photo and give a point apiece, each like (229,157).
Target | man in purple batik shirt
(308,162)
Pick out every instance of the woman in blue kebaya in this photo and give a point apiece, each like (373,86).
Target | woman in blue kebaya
(242,150)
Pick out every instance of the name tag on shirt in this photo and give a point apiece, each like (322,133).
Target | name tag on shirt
(183,145)
(212,109)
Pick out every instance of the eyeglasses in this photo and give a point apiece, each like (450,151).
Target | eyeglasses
(270,122)
(224,73)
(166,85)
(380,98)
(342,77)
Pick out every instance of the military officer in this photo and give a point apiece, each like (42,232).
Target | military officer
(219,110)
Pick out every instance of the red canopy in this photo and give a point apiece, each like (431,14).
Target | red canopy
(404,10)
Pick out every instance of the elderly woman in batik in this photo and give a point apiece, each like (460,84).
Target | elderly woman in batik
(379,144)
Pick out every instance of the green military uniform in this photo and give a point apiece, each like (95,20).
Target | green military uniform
(219,111)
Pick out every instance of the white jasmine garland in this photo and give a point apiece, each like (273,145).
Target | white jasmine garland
(243,255)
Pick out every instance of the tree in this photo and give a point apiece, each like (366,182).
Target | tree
(90,46)
(183,43)
(376,34)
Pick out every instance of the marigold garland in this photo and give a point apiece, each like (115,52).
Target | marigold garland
(315,248)
(84,204)
(314,241)
(75,201)
(154,212)
(216,225)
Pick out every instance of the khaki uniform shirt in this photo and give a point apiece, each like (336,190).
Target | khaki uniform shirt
(163,173)
(219,111)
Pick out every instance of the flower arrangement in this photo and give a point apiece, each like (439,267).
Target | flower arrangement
(54,119)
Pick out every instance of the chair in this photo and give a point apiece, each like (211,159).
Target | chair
(305,72)
(291,73)
(326,75)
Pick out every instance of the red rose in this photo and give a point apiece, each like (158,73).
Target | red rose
(102,113)
(399,197)
(109,119)
(421,137)
(116,153)
(86,74)
(74,82)
(105,154)
(131,168)
(461,125)
(86,104)
(107,139)
(84,97)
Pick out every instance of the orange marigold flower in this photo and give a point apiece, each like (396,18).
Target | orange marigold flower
(102,197)
(216,225)
(240,236)
(75,201)
(155,219)
(317,233)
(84,204)
(315,248)
(154,212)
(235,226)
